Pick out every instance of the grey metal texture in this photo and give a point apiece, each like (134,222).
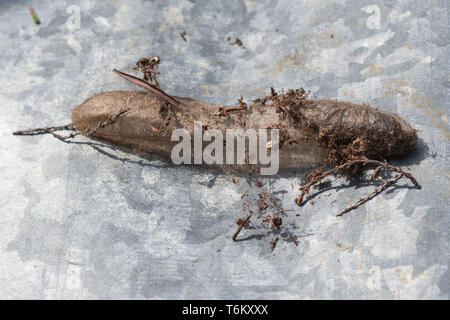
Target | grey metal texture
(86,221)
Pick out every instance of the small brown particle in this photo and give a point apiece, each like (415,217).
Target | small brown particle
(262,205)
(240,43)
(265,219)
(183,35)
(243,222)
(277,222)
(294,240)
(237,42)
(274,243)
(259,184)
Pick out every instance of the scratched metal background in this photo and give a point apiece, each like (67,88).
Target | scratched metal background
(84,220)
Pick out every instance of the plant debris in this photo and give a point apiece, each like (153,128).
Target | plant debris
(354,167)
(269,213)
(262,204)
(35,17)
(149,67)
(277,222)
(237,42)
(242,222)
(183,35)
(274,243)
(294,240)
(258,184)
(371,194)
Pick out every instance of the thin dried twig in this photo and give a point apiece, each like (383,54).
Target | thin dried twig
(282,211)
(244,194)
(224,110)
(70,126)
(318,175)
(370,195)
(103,124)
(36,130)
(50,130)
(183,35)
(242,222)
(294,240)
(274,243)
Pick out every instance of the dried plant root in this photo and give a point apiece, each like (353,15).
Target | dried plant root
(50,130)
(370,195)
(87,132)
(352,167)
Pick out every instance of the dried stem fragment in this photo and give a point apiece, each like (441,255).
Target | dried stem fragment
(183,35)
(70,126)
(50,130)
(370,195)
(104,123)
(354,166)
(273,244)
(294,240)
(242,222)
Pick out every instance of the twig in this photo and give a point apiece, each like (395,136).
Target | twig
(62,138)
(294,240)
(282,211)
(50,130)
(70,126)
(183,35)
(370,195)
(274,243)
(103,124)
(241,225)
(36,130)
(317,175)
(224,110)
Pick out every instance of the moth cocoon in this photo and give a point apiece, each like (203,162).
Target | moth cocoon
(311,131)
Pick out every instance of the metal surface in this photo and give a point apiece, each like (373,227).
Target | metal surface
(86,221)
